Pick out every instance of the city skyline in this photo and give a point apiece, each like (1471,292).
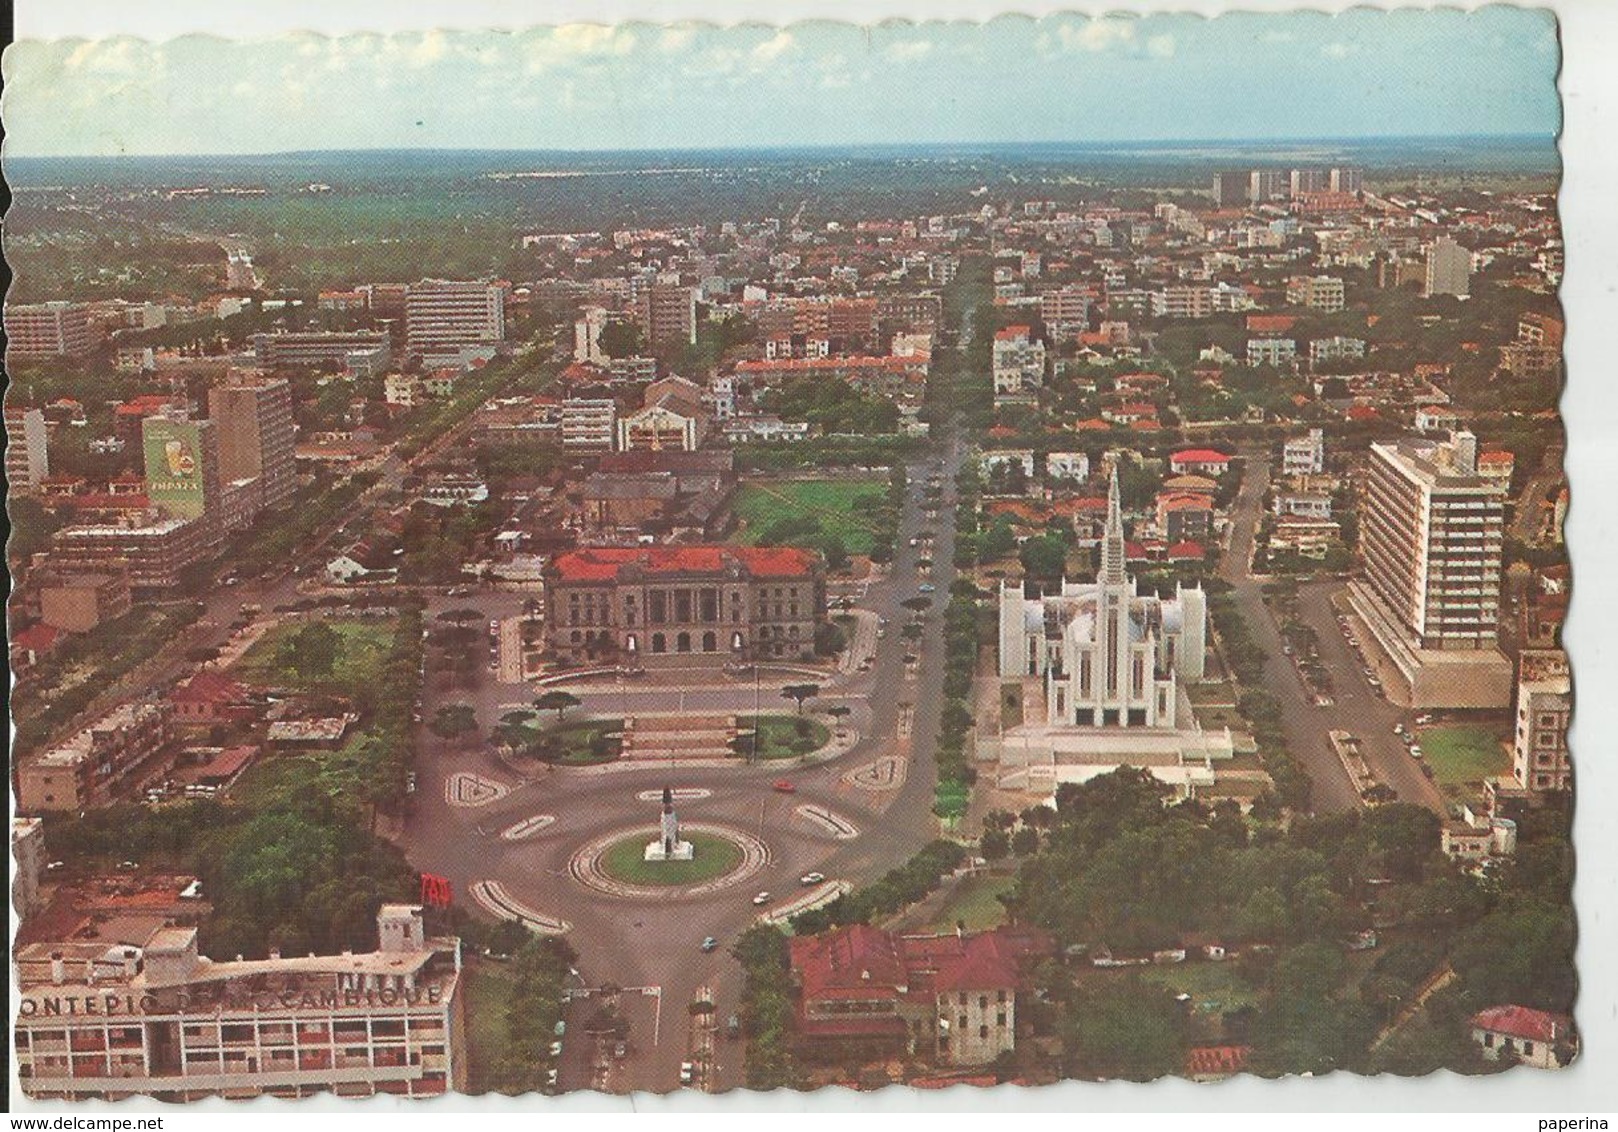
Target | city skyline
(588,87)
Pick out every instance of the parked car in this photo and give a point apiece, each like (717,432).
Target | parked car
(709,943)
(1415,751)
(782,786)
(687,1071)
(808,879)
(761,898)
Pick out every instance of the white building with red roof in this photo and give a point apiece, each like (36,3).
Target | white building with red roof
(1533,1037)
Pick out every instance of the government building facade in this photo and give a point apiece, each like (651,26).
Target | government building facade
(721,602)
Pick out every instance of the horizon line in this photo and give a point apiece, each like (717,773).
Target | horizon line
(763,147)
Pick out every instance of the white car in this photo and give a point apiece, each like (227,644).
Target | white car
(1415,751)
(762,898)
(687,1071)
(811,878)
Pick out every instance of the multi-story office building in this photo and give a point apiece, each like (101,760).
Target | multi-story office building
(152,550)
(162,1020)
(719,602)
(253,420)
(1186,302)
(668,314)
(1449,269)
(93,767)
(311,349)
(1230,189)
(27,458)
(1540,761)
(1431,532)
(48,330)
(446,317)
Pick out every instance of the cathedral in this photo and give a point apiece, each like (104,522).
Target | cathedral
(1108,656)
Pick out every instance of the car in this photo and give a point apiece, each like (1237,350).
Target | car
(926,588)
(687,1071)
(761,898)
(1423,719)
(808,879)
(1415,750)
(1399,729)
(782,786)
(550,1078)
(621,1050)
(556,1049)
(709,943)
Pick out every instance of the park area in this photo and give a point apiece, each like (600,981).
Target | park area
(803,512)
(710,857)
(335,655)
(1462,757)
(782,736)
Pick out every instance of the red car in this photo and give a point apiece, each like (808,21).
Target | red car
(785,787)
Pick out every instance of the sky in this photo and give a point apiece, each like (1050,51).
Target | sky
(1360,73)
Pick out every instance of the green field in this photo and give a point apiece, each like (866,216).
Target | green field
(830,503)
(1214,987)
(1462,757)
(779,737)
(711,857)
(362,650)
(975,900)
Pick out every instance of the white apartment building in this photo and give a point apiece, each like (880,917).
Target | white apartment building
(1304,455)
(445,317)
(1019,364)
(1276,352)
(27,461)
(1317,292)
(1336,348)
(1449,269)
(1540,761)
(589,424)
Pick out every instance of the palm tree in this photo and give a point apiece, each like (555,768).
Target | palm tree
(799,693)
(556,701)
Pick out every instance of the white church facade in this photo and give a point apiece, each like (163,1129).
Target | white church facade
(1102,670)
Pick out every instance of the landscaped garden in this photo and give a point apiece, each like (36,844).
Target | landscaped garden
(806,511)
(781,736)
(335,655)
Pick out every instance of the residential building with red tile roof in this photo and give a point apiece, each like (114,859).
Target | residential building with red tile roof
(951,997)
(1533,1037)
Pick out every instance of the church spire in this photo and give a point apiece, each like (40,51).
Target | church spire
(1112,543)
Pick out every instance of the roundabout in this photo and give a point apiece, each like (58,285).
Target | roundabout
(614,865)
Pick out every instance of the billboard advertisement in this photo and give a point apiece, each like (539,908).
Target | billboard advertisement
(175,471)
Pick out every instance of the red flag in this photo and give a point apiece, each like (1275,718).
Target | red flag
(435,890)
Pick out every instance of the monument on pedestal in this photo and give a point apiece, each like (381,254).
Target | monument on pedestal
(668,846)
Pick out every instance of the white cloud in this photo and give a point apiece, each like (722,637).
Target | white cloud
(1097,34)
(428,49)
(773,48)
(574,43)
(675,39)
(1160,46)
(909,51)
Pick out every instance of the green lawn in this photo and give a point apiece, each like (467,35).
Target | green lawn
(1462,757)
(592,741)
(275,777)
(779,736)
(1214,692)
(1214,987)
(975,900)
(711,857)
(363,648)
(831,503)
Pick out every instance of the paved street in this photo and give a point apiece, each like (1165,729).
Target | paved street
(1357,708)
(629,941)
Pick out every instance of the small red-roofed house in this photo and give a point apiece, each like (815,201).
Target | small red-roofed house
(1533,1037)
(210,698)
(1185,551)
(1215,1063)
(1199,461)
(1361,414)
(33,644)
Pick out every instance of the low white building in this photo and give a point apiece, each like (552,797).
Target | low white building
(1304,455)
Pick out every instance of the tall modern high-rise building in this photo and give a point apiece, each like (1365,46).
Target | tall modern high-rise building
(1431,535)
(47,330)
(1449,269)
(445,316)
(26,459)
(253,418)
(1230,188)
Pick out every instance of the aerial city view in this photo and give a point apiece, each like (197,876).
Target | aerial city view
(525,617)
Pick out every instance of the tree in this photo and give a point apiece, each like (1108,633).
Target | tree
(453,720)
(919,604)
(312,651)
(829,639)
(621,340)
(1025,841)
(1123,1028)
(798,693)
(994,844)
(839,712)
(556,701)
(1044,557)
(997,541)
